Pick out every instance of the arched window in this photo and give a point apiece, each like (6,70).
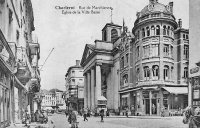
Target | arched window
(122,62)
(164,30)
(155,70)
(148,31)
(185,75)
(138,74)
(166,72)
(152,30)
(138,52)
(172,32)
(138,34)
(143,32)
(114,35)
(172,72)
(146,73)
(125,79)
(168,29)
(157,30)
(105,36)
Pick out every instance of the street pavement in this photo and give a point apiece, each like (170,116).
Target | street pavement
(60,121)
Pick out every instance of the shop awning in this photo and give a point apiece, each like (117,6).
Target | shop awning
(102,98)
(177,90)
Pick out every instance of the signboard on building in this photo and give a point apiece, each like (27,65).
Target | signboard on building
(196,94)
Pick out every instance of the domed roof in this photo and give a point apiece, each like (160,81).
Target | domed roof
(155,7)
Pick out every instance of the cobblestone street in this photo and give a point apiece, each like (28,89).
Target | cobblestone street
(60,121)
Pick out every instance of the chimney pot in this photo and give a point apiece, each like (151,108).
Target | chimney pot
(180,23)
(77,62)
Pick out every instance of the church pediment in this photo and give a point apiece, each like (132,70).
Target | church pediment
(88,51)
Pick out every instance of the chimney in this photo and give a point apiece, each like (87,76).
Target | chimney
(171,6)
(77,62)
(180,23)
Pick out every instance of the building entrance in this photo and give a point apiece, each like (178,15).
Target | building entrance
(154,106)
(147,106)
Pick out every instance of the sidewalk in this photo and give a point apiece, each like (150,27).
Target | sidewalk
(32,125)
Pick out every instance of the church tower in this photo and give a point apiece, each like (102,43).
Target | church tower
(111,32)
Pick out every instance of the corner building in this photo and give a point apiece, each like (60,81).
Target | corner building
(161,60)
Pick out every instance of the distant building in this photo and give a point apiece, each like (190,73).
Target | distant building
(52,99)
(74,86)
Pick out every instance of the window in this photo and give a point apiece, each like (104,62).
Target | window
(155,49)
(166,72)
(148,31)
(155,70)
(127,58)
(186,36)
(183,36)
(172,72)
(138,52)
(73,73)
(122,62)
(138,74)
(185,75)
(143,32)
(146,51)
(138,34)
(186,51)
(105,36)
(157,30)
(164,30)
(172,51)
(125,79)
(114,35)
(166,50)
(168,29)
(146,73)
(152,30)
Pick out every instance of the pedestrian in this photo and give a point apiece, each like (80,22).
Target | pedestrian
(162,111)
(107,113)
(101,114)
(36,116)
(127,112)
(72,119)
(85,115)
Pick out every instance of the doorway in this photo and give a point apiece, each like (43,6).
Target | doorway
(154,106)
(147,106)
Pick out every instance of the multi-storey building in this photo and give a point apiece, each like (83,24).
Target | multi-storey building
(142,73)
(161,61)
(19,55)
(74,86)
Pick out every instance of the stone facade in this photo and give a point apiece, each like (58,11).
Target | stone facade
(19,54)
(141,73)
(74,87)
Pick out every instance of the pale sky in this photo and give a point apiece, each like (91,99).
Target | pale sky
(69,33)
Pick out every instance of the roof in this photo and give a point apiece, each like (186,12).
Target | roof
(176,90)
(154,7)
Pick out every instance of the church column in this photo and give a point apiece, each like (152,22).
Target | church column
(98,82)
(92,88)
(85,91)
(150,97)
(89,89)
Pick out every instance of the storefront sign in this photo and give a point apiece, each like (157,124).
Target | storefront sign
(196,94)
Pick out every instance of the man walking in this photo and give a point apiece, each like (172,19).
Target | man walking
(102,114)
(85,115)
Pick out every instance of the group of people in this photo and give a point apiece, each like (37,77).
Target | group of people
(72,116)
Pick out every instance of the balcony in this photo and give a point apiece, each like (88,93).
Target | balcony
(7,57)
